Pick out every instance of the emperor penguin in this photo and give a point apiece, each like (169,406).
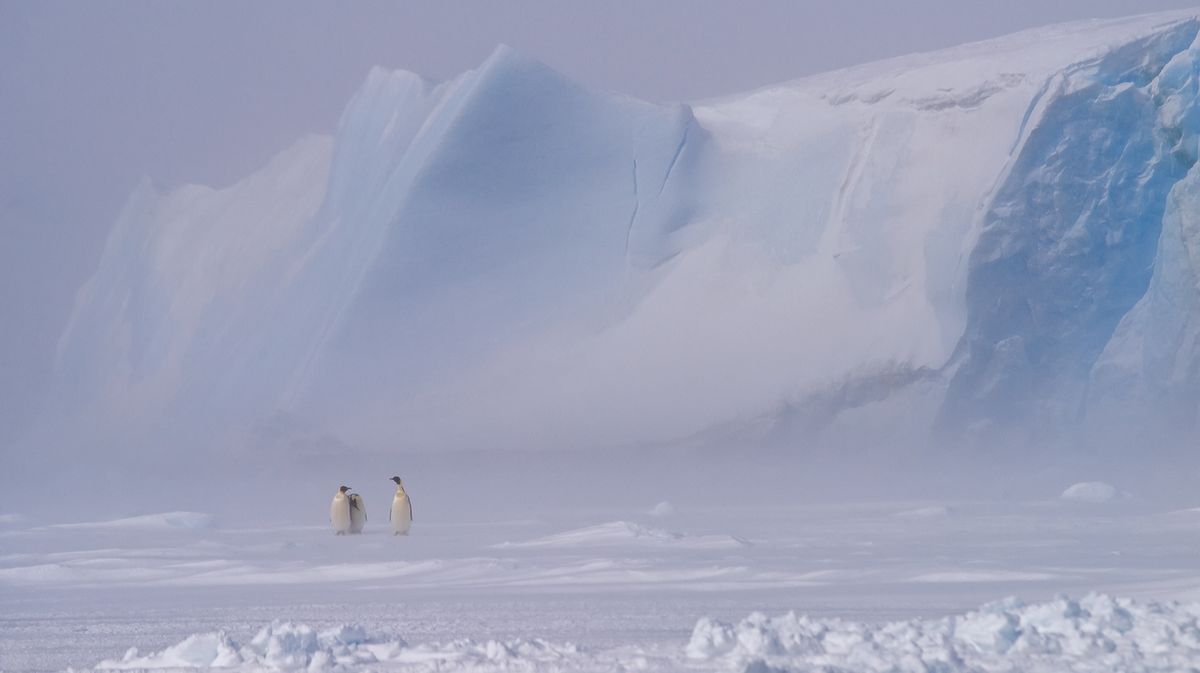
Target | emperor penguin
(401,513)
(339,511)
(358,513)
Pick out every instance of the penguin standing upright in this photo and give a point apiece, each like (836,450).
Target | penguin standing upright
(401,512)
(358,513)
(339,511)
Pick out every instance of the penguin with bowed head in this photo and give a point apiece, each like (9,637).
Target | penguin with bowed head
(339,511)
(358,513)
(401,512)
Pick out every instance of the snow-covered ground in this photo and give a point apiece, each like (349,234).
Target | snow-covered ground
(603,590)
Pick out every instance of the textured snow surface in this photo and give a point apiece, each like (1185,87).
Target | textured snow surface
(151,521)
(625,532)
(621,592)
(986,240)
(298,647)
(1097,633)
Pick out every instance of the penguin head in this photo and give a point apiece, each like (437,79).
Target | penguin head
(397,480)
(343,489)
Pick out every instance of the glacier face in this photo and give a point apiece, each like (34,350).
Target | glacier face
(1151,366)
(995,239)
(1068,241)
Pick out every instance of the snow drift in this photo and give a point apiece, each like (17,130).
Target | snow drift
(166,520)
(628,533)
(1092,492)
(992,241)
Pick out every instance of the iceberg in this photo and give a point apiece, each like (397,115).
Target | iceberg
(990,242)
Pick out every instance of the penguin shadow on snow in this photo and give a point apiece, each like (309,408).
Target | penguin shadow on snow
(348,511)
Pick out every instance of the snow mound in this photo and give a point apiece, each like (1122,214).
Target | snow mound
(984,576)
(284,646)
(626,532)
(181,520)
(1097,633)
(936,512)
(1092,492)
(663,508)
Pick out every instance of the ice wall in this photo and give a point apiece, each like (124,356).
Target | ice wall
(993,241)
(523,203)
(1150,369)
(441,223)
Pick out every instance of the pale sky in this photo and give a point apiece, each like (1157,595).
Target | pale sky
(94,95)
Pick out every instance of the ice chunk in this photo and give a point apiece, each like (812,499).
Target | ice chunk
(1096,633)
(200,651)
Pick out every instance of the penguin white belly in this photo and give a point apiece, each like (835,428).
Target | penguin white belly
(339,514)
(401,514)
(358,514)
